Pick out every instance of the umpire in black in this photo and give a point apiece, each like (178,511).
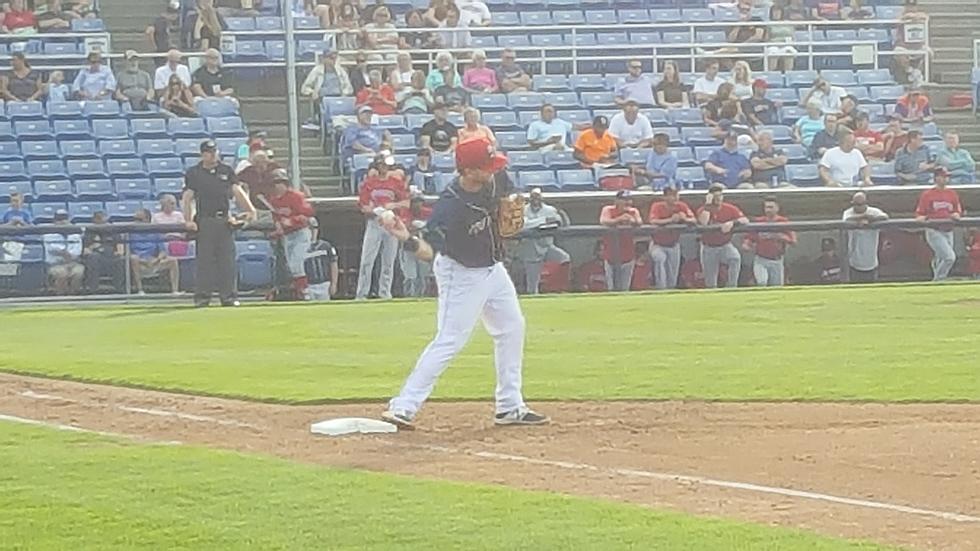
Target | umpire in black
(209,187)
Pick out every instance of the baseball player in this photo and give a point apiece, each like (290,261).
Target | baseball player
(769,247)
(716,246)
(535,251)
(463,236)
(665,248)
(291,213)
(940,203)
(384,187)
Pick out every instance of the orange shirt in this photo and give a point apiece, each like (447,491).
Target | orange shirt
(386,92)
(594,148)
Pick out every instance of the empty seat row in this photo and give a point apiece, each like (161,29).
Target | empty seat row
(94,189)
(54,169)
(16,110)
(117,128)
(122,148)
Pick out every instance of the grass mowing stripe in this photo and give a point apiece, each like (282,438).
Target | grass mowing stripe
(72,490)
(901,343)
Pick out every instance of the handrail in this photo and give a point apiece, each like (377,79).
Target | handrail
(108,229)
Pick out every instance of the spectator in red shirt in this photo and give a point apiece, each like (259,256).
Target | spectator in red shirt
(870,143)
(940,203)
(665,248)
(19,19)
(415,272)
(385,190)
(769,247)
(895,136)
(378,95)
(618,244)
(716,245)
(292,218)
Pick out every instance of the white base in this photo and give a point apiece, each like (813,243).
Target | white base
(351,425)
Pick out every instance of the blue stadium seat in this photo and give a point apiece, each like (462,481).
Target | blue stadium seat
(536,18)
(586,83)
(501,121)
(34,150)
(888,12)
(686,117)
(165,166)
(839,77)
(583,39)
(874,77)
(525,100)
(773,78)
(87,25)
(803,175)
(601,17)
(561,160)
(789,114)
(691,177)
(633,156)
(250,51)
(132,188)
(490,102)
(930,131)
(78,149)
(306,23)
(840,35)
(568,17)
(20,186)
(800,79)
(168,185)
(122,211)
(65,110)
(226,126)
(101,109)
(19,110)
(613,39)
(149,128)
(110,129)
(43,213)
(485,42)
(332,107)
(711,37)
(117,148)
(155,148)
(228,147)
(33,130)
(506,19)
(224,107)
(187,147)
(403,142)
(12,170)
(784,95)
(657,116)
(685,156)
(536,178)
(94,189)
(550,83)
(10,151)
(64,49)
(53,190)
(563,100)
(860,93)
(307,50)
(697,15)
(126,166)
(795,153)
(512,141)
(726,13)
(151,110)
(72,130)
(805,36)
(875,111)
(780,134)
(634,16)
(391,122)
(235,24)
(514,41)
(276,49)
(665,15)
(184,127)
(598,100)
(883,174)
(886,94)
(576,180)
(47,170)
(416,122)
(701,154)
(526,160)
(254,264)
(575,116)
(268,23)
(86,168)
(880,36)
(81,212)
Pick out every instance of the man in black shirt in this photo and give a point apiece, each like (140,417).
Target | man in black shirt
(439,135)
(102,254)
(320,266)
(463,238)
(163,33)
(209,186)
(209,79)
(759,109)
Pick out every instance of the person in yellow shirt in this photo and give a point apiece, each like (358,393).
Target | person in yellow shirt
(596,145)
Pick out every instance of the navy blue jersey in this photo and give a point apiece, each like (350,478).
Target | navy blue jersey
(463,225)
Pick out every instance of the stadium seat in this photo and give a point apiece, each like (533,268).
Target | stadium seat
(43,213)
(697,15)
(226,126)
(883,174)
(601,17)
(839,77)
(800,79)
(886,94)
(795,153)
(87,25)
(228,147)
(47,170)
(698,136)
(665,15)
(268,24)
(686,117)
(224,107)
(32,130)
(599,100)
(187,147)
(780,134)
(560,160)
(254,264)
(12,170)
(187,128)
(789,114)
(122,211)
(840,35)
(803,175)
(416,122)
(501,121)
(125,166)
(117,148)
(94,189)
(132,188)
(80,212)
(403,142)
(101,109)
(633,156)
(53,190)
(586,83)
(168,185)
(65,110)
(860,93)
(536,18)
(563,100)
(551,83)
(512,141)
(10,151)
(568,17)
(685,156)
(575,116)
(691,177)
(85,168)
(72,129)
(235,24)
(149,128)
(514,41)
(164,166)
(78,149)
(525,100)
(34,150)
(110,129)
(390,122)
(490,102)
(526,160)
(634,16)
(7,188)
(576,180)
(506,19)
(250,51)
(536,178)
(701,154)
(19,110)
(155,148)
(711,37)
(874,77)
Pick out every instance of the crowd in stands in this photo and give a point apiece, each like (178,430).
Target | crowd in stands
(20,18)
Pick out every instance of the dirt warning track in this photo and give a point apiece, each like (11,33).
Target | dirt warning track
(900,474)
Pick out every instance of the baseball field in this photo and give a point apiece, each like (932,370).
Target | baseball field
(796,419)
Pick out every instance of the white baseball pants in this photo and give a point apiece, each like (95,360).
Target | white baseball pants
(376,240)
(943,254)
(666,265)
(768,272)
(465,296)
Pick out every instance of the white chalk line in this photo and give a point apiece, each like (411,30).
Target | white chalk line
(71,428)
(146,411)
(744,486)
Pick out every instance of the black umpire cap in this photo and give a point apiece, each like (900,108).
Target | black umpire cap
(208,145)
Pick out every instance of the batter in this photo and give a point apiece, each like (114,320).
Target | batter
(464,239)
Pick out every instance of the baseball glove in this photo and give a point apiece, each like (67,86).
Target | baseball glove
(510,215)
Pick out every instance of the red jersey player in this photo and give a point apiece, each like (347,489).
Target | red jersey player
(769,247)
(665,248)
(940,203)
(716,245)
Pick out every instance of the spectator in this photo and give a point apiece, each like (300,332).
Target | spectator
(742,81)
(797,11)
(379,96)
(630,128)
(95,82)
(386,191)
(716,245)
(940,203)
(455,35)
(327,80)
(827,95)
(177,98)
(727,166)
(480,79)
(768,163)
(870,143)
(618,244)
(380,34)
(364,136)
(807,127)
(419,39)
(781,58)
(173,66)
(19,19)
(958,161)
(914,107)
(895,137)
(58,91)
(415,272)
(205,26)
(660,169)
(238,8)
(474,130)
(400,77)
(848,112)
(55,19)
(758,109)
(905,70)
(415,99)
(23,83)
(828,263)
(671,93)
(292,216)
(665,248)
(826,138)
(209,80)
(102,255)
(16,214)
(637,87)
(134,84)
(596,145)
(843,165)
(162,35)
(444,73)
(256,178)
(827,10)
(913,163)
(368,11)
(435,15)
(769,247)
(322,272)
(350,34)
(473,13)
(62,253)
(724,111)
(510,75)
(169,214)
(706,87)
(535,251)
(862,243)
(439,135)
(254,142)
(148,257)
(549,133)
(855,11)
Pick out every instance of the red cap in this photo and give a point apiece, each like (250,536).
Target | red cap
(759,83)
(479,154)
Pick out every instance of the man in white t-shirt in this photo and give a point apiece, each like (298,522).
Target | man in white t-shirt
(630,128)
(706,87)
(173,66)
(473,13)
(830,97)
(841,166)
(862,244)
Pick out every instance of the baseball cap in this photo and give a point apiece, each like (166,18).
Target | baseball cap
(208,145)
(130,54)
(760,83)
(364,109)
(624,194)
(536,191)
(716,187)
(600,121)
(941,170)
(280,175)
(479,154)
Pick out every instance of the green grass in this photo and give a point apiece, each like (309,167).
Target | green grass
(878,343)
(78,491)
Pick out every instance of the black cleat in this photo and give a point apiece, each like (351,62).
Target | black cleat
(520,416)
(400,419)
